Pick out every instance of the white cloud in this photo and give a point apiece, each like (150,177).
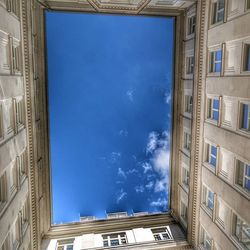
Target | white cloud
(139,189)
(130,94)
(152,142)
(150,185)
(160,161)
(147,167)
(161,185)
(132,171)
(121,196)
(121,173)
(114,157)
(167,97)
(161,202)
(123,132)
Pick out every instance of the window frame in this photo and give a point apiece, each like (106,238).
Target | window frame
(241,117)
(213,61)
(235,218)
(184,212)
(190,65)
(206,199)
(160,234)
(3,190)
(205,238)
(246,56)
(63,244)
(119,238)
(244,175)
(209,156)
(185,177)
(188,104)
(215,11)
(191,25)
(210,110)
(187,141)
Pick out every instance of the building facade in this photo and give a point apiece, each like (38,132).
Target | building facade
(210,163)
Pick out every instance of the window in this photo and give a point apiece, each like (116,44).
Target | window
(187,141)
(185,176)
(218,11)
(66,244)
(15,233)
(188,102)
(211,154)
(213,109)
(244,117)
(25,216)
(191,25)
(22,165)
(1,122)
(161,233)
(184,211)
(248,4)
(13,6)
(13,178)
(208,198)
(242,177)
(241,231)
(215,61)
(3,189)
(205,239)
(246,65)
(20,117)
(114,239)
(190,65)
(6,243)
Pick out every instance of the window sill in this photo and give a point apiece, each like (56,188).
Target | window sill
(209,167)
(207,210)
(213,25)
(243,191)
(212,121)
(243,132)
(214,74)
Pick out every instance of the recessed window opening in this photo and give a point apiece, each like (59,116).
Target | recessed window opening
(110,94)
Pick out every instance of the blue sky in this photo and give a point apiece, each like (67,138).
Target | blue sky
(110,97)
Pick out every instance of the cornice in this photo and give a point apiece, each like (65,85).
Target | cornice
(109,225)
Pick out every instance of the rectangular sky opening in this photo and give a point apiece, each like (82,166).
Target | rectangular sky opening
(110,89)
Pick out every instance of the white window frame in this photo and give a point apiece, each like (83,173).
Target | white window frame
(183,211)
(191,23)
(205,238)
(160,234)
(185,177)
(211,109)
(236,217)
(119,238)
(3,190)
(188,104)
(209,155)
(216,12)
(190,65)
(63,244)
(206,198)
(187,141)
(244,177)
(213,61)
(241,117)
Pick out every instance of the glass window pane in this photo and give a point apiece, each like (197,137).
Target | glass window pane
(220,4)
(248,58)
(216,104)
(245,116)
(218,55)
(70,247)
(248,170)
(216,115)
(214,151)
(247,184)
(217,67)
(114,242)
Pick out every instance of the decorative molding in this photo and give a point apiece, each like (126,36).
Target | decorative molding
(26,13)
(197,124)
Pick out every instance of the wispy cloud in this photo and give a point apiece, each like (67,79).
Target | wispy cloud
(167,97)
(139,189)
(132,171)
(123,132)
(152,142)
(121,196)
(160,202)
(121,173)
(114,157)
(161,185)
(150,185)
(146,167)
(130,94)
